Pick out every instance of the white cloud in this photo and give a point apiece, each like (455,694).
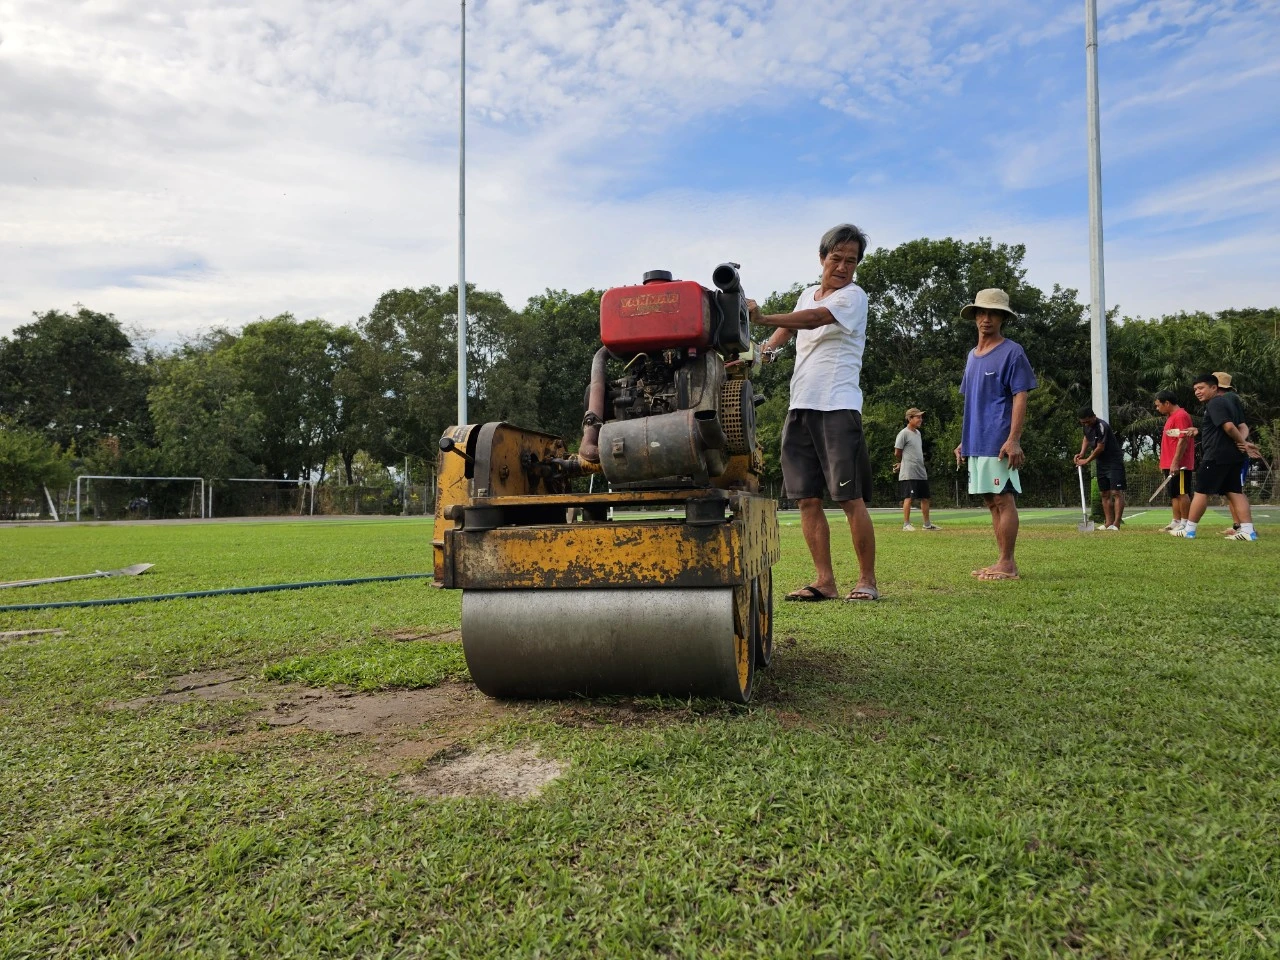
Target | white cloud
(184,165)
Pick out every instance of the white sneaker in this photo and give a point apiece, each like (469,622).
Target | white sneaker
(1184,532)
(1241,535)
(931,526)
(1112,527)
(1169,527)
(907,526)
(1177,529)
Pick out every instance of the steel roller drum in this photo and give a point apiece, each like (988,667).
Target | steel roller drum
(551,643)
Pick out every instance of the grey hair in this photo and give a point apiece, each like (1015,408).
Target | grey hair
(842,233)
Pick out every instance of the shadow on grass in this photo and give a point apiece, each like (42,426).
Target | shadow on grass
(816,687)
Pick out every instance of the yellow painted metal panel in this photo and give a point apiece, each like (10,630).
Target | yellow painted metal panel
(584,555)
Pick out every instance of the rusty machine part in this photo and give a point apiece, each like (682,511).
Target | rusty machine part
(571,592)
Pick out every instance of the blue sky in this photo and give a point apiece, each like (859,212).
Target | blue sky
(209,163)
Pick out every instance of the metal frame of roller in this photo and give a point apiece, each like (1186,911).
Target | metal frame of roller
(561,599)
(560,595)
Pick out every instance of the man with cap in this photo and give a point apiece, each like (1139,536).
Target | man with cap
(822,439)
(913,478)
(997,379)
(1222,448)
(1100,444)
(1229,392)
(1177,457)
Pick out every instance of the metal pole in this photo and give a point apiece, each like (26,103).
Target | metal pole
(78,499)
(462,223)
(1098,300)
(48,497)
(404,507)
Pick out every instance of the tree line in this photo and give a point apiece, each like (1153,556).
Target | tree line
(288,399)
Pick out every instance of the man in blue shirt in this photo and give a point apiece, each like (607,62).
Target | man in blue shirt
(997,378)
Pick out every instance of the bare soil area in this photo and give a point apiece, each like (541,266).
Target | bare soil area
(395,730)
(513,774)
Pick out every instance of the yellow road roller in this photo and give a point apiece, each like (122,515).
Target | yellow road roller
(655,578)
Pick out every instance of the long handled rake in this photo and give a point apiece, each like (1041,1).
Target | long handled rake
(1085,525)
(131,571)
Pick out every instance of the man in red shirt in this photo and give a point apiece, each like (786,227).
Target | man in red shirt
(1177,455)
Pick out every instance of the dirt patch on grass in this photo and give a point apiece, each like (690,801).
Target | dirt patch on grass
(390,731)
(454,706)
(28,636)
(203,685)
(513,775)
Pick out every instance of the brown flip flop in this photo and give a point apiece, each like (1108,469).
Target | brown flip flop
(808,594)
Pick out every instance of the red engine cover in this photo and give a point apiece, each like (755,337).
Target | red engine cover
(655,316)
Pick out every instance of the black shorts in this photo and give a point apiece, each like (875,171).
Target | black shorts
(1213,478)
(825,447)
(1183,485)
(1111,476)
(913,489)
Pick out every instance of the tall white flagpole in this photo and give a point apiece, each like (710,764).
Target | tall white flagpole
(1098,300)
(462,224)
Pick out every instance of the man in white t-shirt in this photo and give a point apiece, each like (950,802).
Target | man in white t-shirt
(822,441)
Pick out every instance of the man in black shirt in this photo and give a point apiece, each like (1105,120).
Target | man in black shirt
(1100,444)
(1228,392)
(1222,449)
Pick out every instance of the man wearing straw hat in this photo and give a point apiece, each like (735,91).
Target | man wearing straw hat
(997,379)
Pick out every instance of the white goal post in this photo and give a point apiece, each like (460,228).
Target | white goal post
(93,476)
(306,485)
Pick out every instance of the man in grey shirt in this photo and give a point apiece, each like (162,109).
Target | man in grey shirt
(913,479)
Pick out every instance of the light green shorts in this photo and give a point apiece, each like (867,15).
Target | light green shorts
(992,475)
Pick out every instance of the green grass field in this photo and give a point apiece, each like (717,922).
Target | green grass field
(1083,763)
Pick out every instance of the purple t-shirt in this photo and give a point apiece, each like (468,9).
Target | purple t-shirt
(989,385)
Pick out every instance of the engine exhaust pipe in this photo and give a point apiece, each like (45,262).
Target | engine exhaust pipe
(589,449)
(726,278)
(735,328)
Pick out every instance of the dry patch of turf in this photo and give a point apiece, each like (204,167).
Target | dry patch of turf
(388,712)
(390,730)
(513,775)
(27,636)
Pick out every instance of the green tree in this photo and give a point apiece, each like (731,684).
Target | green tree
(28,462)
(1168,353)
(290,368)
(75,378)
(542,363)
(401,385)
(207,423)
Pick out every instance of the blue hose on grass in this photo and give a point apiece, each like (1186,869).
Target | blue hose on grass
(113,601)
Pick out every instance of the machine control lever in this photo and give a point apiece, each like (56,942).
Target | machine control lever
(448,446)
